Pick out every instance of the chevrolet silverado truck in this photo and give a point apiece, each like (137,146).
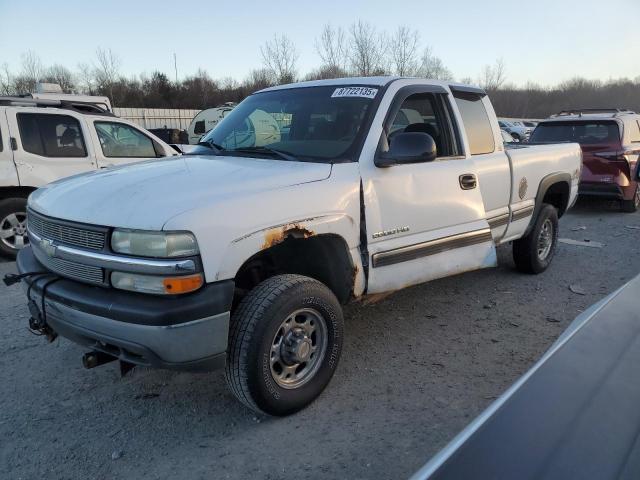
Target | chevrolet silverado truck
(240,254)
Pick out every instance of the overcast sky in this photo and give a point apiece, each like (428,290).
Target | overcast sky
(543,41)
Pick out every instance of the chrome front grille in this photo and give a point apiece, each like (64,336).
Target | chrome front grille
(73,270)
(46,234)
(65,234)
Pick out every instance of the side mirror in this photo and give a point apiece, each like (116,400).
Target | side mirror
(408,147)
(159,149)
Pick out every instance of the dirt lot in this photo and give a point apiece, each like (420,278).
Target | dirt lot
(416,368)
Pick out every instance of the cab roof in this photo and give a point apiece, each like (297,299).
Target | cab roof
(379,81)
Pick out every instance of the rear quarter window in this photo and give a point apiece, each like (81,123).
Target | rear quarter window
(476,123)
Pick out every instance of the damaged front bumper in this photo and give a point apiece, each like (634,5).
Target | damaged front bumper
(186,332)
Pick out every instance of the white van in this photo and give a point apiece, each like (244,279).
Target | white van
(46,137)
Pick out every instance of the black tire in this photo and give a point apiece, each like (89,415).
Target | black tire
(254,329)
(11,208)
(631,206)
(516,136)
(527,254)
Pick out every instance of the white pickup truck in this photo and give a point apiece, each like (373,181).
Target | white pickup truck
(242,253)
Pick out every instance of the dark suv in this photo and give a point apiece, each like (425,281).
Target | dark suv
(610,141)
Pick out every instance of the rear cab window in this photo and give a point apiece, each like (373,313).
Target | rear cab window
(584,132)
(51,135)
(476,122)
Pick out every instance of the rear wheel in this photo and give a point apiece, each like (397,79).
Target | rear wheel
(285,341)
(632,205)
(533,253)
(13,226)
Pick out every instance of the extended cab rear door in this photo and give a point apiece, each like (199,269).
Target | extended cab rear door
(118,143)
(50,144)
(485,145)
(423,220)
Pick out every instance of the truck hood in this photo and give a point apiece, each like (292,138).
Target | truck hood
(146,195)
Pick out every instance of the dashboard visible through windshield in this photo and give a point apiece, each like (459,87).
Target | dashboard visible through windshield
(318,124)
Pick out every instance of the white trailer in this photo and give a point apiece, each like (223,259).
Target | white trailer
(205,120)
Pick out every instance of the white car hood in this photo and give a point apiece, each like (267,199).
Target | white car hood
(146,195)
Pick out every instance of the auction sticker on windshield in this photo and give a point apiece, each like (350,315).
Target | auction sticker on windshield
(365,92)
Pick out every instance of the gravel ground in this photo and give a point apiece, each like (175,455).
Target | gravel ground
(415,369)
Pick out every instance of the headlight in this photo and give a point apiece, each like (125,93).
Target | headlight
(156,285)
(154,244)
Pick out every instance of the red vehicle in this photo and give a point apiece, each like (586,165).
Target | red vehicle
(610,141)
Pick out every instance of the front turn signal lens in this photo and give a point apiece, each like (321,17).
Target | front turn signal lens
(176,285)
(156,285)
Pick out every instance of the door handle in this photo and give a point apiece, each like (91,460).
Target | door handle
(468,181)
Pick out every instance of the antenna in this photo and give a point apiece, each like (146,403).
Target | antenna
(175,66)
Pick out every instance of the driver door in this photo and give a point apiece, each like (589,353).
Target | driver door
(423,220)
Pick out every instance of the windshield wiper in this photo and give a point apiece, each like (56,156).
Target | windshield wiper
(279,153)
(213,146)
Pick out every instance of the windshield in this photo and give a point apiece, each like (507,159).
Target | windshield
(321,124)
(582,132)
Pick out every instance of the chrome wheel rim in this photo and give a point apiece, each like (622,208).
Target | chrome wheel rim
(298,348)
(545,239)
(13,230)
(636,199)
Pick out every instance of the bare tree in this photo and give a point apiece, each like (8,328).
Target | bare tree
(403,51)
(259,78)
(279,56)
(432,66)
(331,46)
(106,71)
(30,73)
(367,49)
(492,77)
(85,78)
(31,65)
(6,80)
(228,83)
(62,76)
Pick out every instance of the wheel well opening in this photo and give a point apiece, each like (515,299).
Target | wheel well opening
(322,257)
(15,192)
(558,196)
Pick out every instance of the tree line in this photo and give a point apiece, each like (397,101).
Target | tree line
(359,50)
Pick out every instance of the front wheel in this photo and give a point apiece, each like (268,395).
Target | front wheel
(285,341)
(533,253)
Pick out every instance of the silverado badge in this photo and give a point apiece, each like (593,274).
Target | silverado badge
(522,188)
(392,231)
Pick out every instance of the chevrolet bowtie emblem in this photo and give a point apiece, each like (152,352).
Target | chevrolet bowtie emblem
(48,247)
